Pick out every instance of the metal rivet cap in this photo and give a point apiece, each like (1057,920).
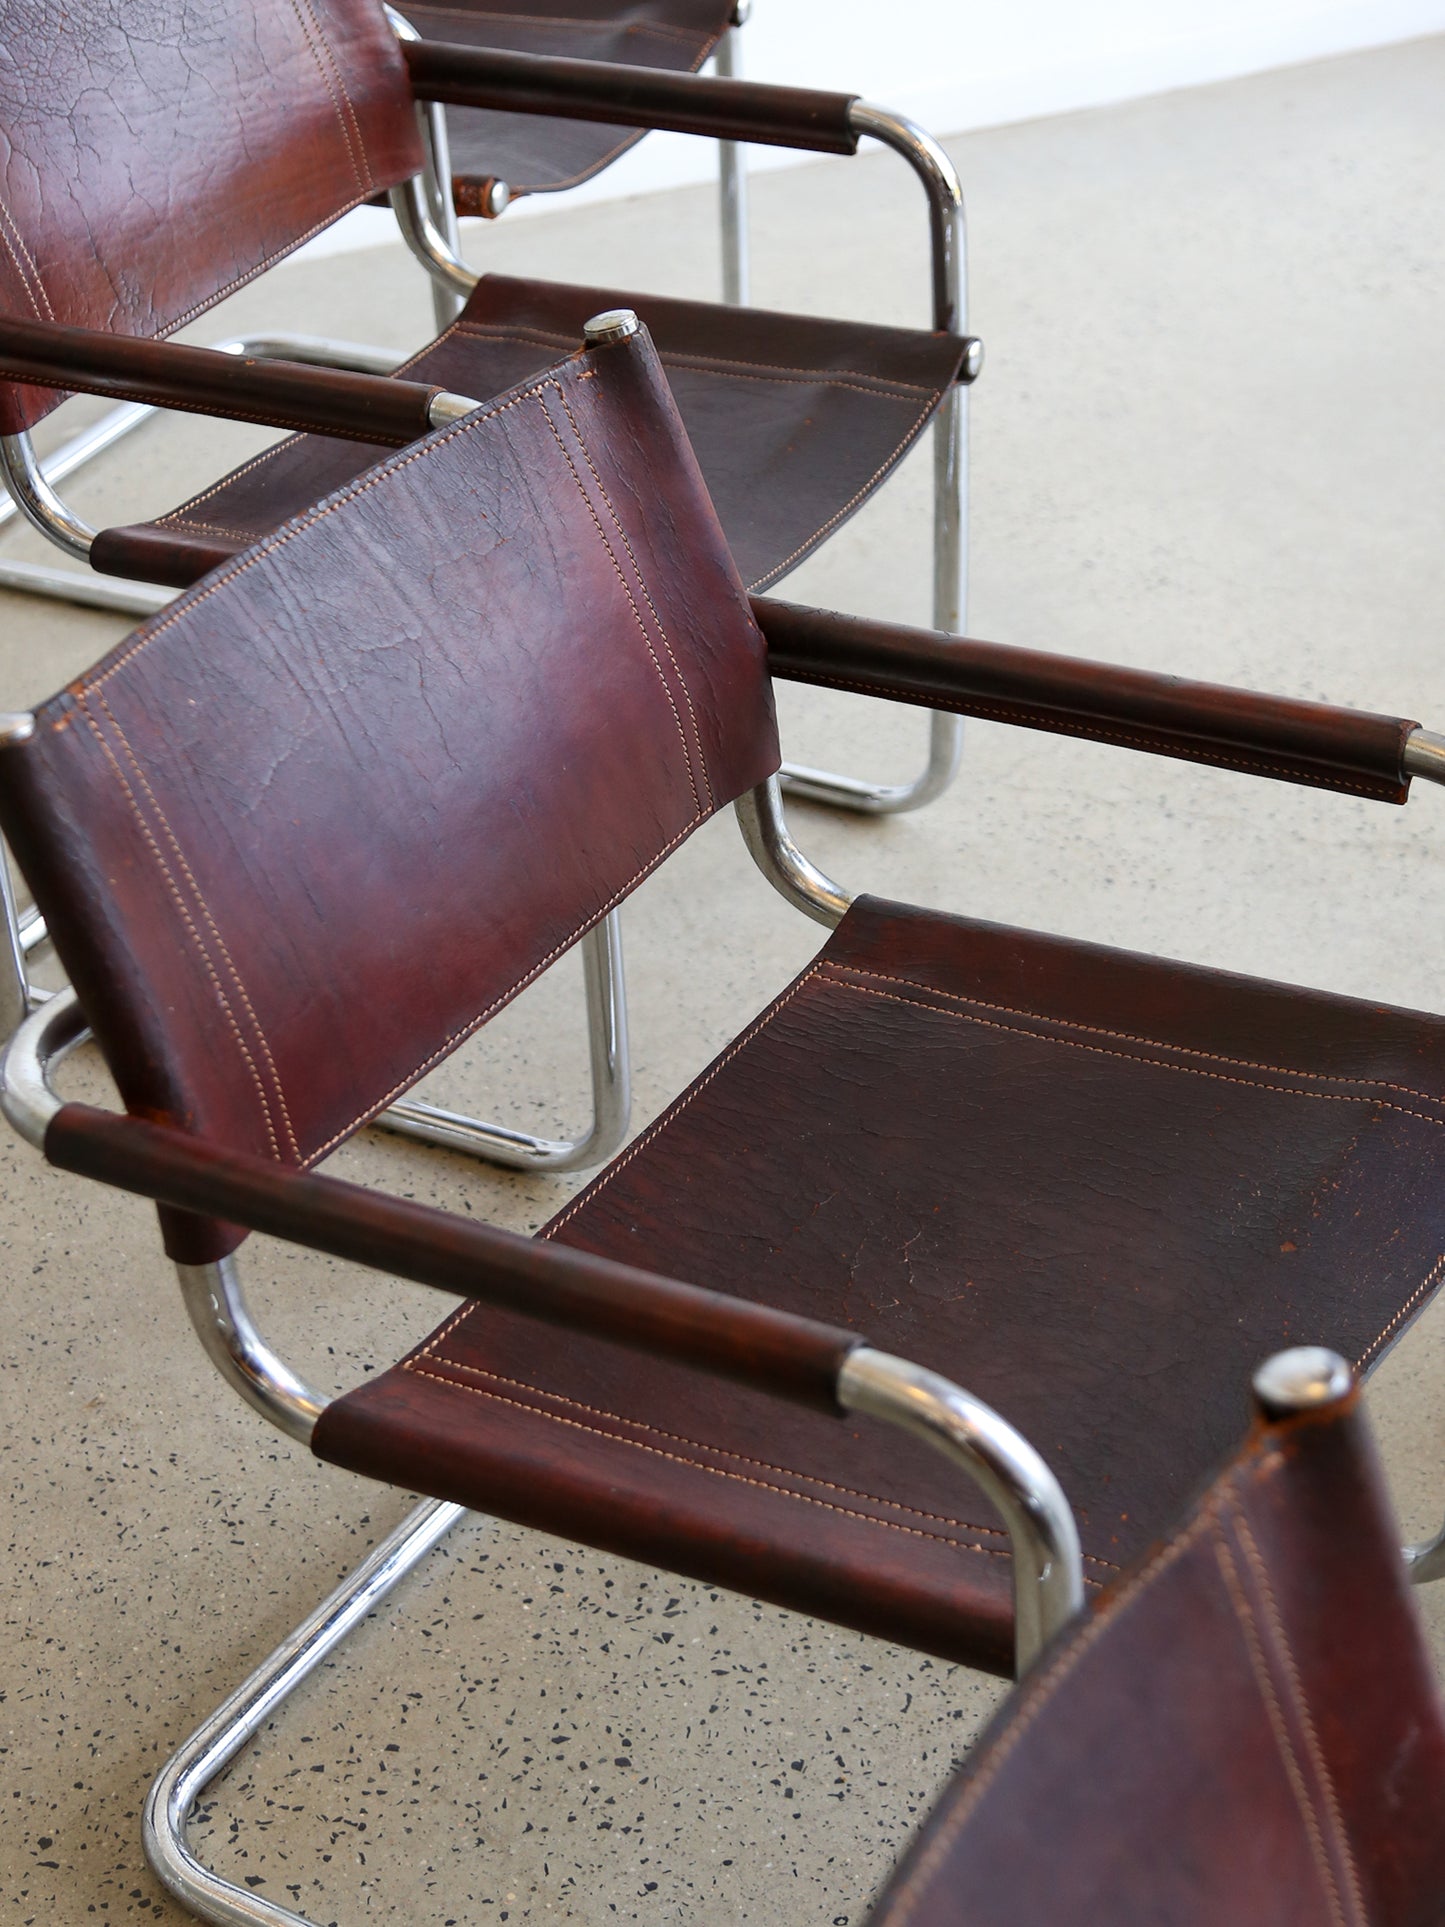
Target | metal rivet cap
(972,366)
(616,325)
(1301,1380)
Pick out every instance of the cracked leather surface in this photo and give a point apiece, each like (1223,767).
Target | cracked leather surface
(536,154)
(794,421)
(156,154)
(1094,1188)
(307,828)
(1247,1729)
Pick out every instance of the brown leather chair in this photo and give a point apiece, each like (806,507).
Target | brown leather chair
(300,116)
(527,154)
(1096,1187)
(301,113)
(1245,1728)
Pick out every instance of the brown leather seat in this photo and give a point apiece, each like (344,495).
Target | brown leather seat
(794,421)
(1095,1188)
(539,154)
(282,126)
(1246,1729)
(1098,1187)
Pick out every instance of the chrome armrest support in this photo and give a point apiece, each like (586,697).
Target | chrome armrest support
(792,875)
(222,1321)
(37,500)
(212,1293)
(945,212)
(410,204)
(27,1096)
(1425,755)
(1047,1562)
(422,205)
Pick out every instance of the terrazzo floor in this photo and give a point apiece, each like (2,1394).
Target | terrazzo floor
(1210,438)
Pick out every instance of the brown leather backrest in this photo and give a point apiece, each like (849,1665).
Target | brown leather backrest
(156,154)
(303,832)
(1246,1729)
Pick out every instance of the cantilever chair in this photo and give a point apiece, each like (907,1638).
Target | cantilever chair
(796,420)
(491,159)
(1246,1728)
(1094,1187)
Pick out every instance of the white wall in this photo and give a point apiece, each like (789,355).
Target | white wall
(961,64)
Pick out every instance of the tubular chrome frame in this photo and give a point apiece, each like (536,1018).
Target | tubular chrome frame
(733,177)
(1048,1583)
(948,244)
(31,482)
(611,1068)
(606,996)
(1048,1591)
(794,876)
(1048,1572)
(414,201)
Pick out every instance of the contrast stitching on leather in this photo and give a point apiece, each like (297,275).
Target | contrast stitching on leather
(882,387)
(24,260)
(1183,1070)
(539,337)
(429,1350)
(714,1471)
(620,1164)
(195,935)
(321,53)
(242,280)
(1432,1278)
(183,525)
(475,1023)
(875,387)
(655,28)
(1377,789)
(217,488)
(1132,1037)
(210,922)
(359,485)
(647,597)
(884,467)
(1284,1745)
(631,601)
(697,1445)
(1042,1689)
(362,486)
(1131,1057)
(1286,1657)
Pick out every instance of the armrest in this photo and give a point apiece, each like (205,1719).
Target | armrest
(794,1358)
(282,394)
(1300,742)
(625,96)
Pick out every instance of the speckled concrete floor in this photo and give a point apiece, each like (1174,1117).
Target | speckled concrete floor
(1211,438)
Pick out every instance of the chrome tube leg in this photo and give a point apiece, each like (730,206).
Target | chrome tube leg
(733,184)
(14,983)
(215,1743)
(948,260)
(611,1082)
(33,932)
(447,302)
(137,598)
(1426,1562)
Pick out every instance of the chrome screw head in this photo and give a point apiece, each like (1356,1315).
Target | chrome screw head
(617,324)
(1301,1380)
